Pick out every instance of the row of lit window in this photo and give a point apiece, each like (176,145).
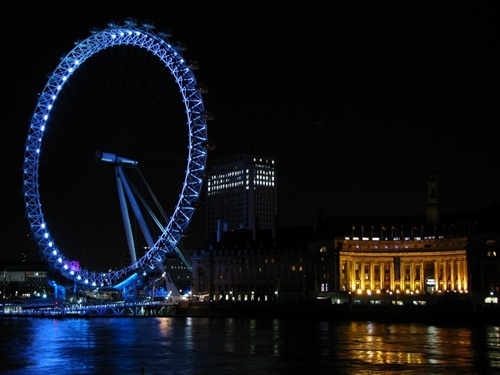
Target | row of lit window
(264,183)
(225,186)
(259,269)
(232,175)
(253,274)
(264,165)
(258,181)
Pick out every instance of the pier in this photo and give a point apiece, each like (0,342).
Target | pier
(109,309)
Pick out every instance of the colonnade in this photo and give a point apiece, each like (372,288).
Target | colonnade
(403,274)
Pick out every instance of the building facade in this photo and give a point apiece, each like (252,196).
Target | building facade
(241,194)
(292,269)
(243,266)
(417,265)
(432,254)
(24,279)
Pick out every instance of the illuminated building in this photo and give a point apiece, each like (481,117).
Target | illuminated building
(24,279)
(435,254)
(241,194)
(411,263)
(431,265)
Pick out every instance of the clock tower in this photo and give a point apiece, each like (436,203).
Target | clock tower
(434,202)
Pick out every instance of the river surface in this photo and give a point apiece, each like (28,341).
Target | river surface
(206,346)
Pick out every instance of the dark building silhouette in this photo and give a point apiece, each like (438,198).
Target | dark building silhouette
(344,256)
(338,258)
(241,194)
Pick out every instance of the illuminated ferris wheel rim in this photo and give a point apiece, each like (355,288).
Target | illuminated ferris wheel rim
(157,43)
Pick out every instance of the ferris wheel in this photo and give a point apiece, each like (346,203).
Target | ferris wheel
(115,155)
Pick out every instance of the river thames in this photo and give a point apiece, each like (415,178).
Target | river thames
(206,346)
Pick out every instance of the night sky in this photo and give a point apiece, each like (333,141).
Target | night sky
(359,103)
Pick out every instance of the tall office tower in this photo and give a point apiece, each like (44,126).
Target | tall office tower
(241,193)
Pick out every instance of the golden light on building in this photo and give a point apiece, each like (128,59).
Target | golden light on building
(433,265)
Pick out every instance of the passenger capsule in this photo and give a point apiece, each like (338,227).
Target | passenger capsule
(149,25)
(208,115)
(209,145)
(193,65)
(180,46)
(164,33)
(130,22)
(187,233)
(202,88)
(196,204)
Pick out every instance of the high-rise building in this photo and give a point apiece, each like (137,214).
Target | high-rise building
(241,194)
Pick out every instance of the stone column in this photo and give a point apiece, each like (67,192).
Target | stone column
(452,275)
(372,276)
(401,275)
(445,276)
(360,275)
(466,276)
(459,274)
(436,275)
(382,275)
(352,276)
(412,276)
(422,277)
(392,275)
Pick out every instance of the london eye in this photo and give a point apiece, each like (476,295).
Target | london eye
(115,156)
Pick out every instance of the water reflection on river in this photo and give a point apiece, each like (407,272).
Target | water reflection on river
(243,346)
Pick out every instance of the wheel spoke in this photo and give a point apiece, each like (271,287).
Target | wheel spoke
(113,38)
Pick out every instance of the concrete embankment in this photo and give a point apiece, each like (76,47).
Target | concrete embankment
(434,312)
(449,312)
